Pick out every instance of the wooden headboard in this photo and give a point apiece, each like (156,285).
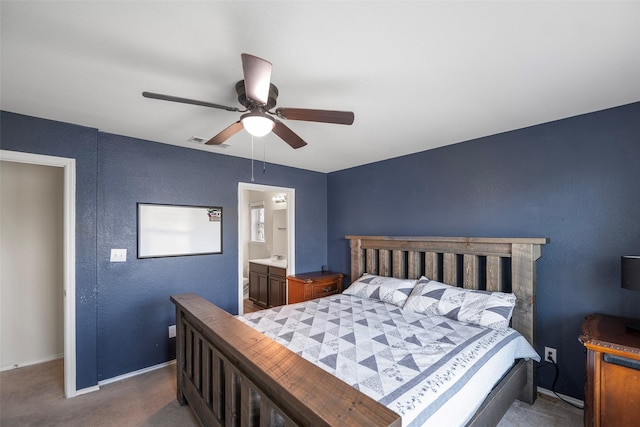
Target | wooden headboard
(492,264)
(231,374)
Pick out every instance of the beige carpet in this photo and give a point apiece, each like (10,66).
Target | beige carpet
(547,412)
(34,396)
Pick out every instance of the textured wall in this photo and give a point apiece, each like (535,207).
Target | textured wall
(39,136)
(123,309)
(576,181)
(134,310)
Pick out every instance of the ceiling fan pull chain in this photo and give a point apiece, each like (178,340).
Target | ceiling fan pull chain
(264,156)
(252,180)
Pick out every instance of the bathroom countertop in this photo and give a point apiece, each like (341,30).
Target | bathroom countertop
(281,263)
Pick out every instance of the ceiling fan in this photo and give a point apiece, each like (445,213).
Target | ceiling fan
(258,96)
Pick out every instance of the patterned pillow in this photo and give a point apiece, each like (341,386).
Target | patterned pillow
(387,289)
(425,296)
(483,308)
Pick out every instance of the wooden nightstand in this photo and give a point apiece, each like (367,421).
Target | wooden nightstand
(612,391)
(306,286)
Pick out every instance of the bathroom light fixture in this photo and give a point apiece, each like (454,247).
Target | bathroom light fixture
(257,124)
(280,198)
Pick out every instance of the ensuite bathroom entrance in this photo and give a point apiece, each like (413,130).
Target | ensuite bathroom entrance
(266,247)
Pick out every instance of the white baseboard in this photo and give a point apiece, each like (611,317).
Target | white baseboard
(85,391)
(569,399)
(135,373)
(100,383)
(32,362)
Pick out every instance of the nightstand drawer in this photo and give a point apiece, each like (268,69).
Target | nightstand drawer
(306,286)
(323,289)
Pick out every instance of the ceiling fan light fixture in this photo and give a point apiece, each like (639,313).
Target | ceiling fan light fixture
(257,124)
(258,96)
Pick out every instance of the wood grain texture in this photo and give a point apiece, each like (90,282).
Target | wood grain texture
(399,264)
(413,267)
(432,266)
(307,286)
(475,254)
(299,390)
(372,261)
(494,273)
(384,262)
(450,268)
(471,278)
(523,275)
(612,390)
(358,265)
(258,381)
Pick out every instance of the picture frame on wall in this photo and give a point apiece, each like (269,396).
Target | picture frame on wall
(178,230)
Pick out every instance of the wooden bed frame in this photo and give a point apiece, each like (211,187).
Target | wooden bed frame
(232,375)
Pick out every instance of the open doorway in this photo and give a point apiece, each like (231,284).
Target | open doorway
(68,253)
(278,240)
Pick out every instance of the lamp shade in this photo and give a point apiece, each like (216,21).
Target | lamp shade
(631,272)
(257,124)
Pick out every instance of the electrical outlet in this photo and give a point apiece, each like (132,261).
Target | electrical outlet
(550,354)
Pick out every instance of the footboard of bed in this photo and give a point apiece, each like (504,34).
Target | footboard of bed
(232,375)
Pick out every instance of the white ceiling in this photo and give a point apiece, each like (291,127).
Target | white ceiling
(418,75)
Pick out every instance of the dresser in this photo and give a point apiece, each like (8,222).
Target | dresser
(612,389)
(306,286)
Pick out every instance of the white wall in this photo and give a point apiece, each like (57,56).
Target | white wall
(31,263)
(260,250)
(279,233)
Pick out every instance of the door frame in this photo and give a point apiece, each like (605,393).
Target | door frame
(243,212)
(69,254)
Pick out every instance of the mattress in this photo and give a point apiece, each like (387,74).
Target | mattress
(429,369)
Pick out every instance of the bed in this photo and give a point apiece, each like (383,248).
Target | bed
(232,374)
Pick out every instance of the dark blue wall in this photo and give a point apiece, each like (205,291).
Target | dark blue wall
(123,309)
(575,181)
(38,136)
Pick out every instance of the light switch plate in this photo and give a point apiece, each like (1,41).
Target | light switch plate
(118,255)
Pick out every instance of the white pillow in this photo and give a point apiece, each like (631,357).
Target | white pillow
(425,296)
(482,308)
(387,289)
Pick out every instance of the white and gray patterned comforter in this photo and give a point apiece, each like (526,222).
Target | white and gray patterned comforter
(412,363)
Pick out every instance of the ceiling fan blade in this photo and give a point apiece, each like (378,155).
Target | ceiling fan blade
(226,134)
(257,78)
(288,135)
(187,101)
(323,116)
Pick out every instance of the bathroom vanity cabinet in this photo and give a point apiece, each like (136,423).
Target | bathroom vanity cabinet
(267,285)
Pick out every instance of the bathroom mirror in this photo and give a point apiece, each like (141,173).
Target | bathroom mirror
(175,230)
(279,220)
